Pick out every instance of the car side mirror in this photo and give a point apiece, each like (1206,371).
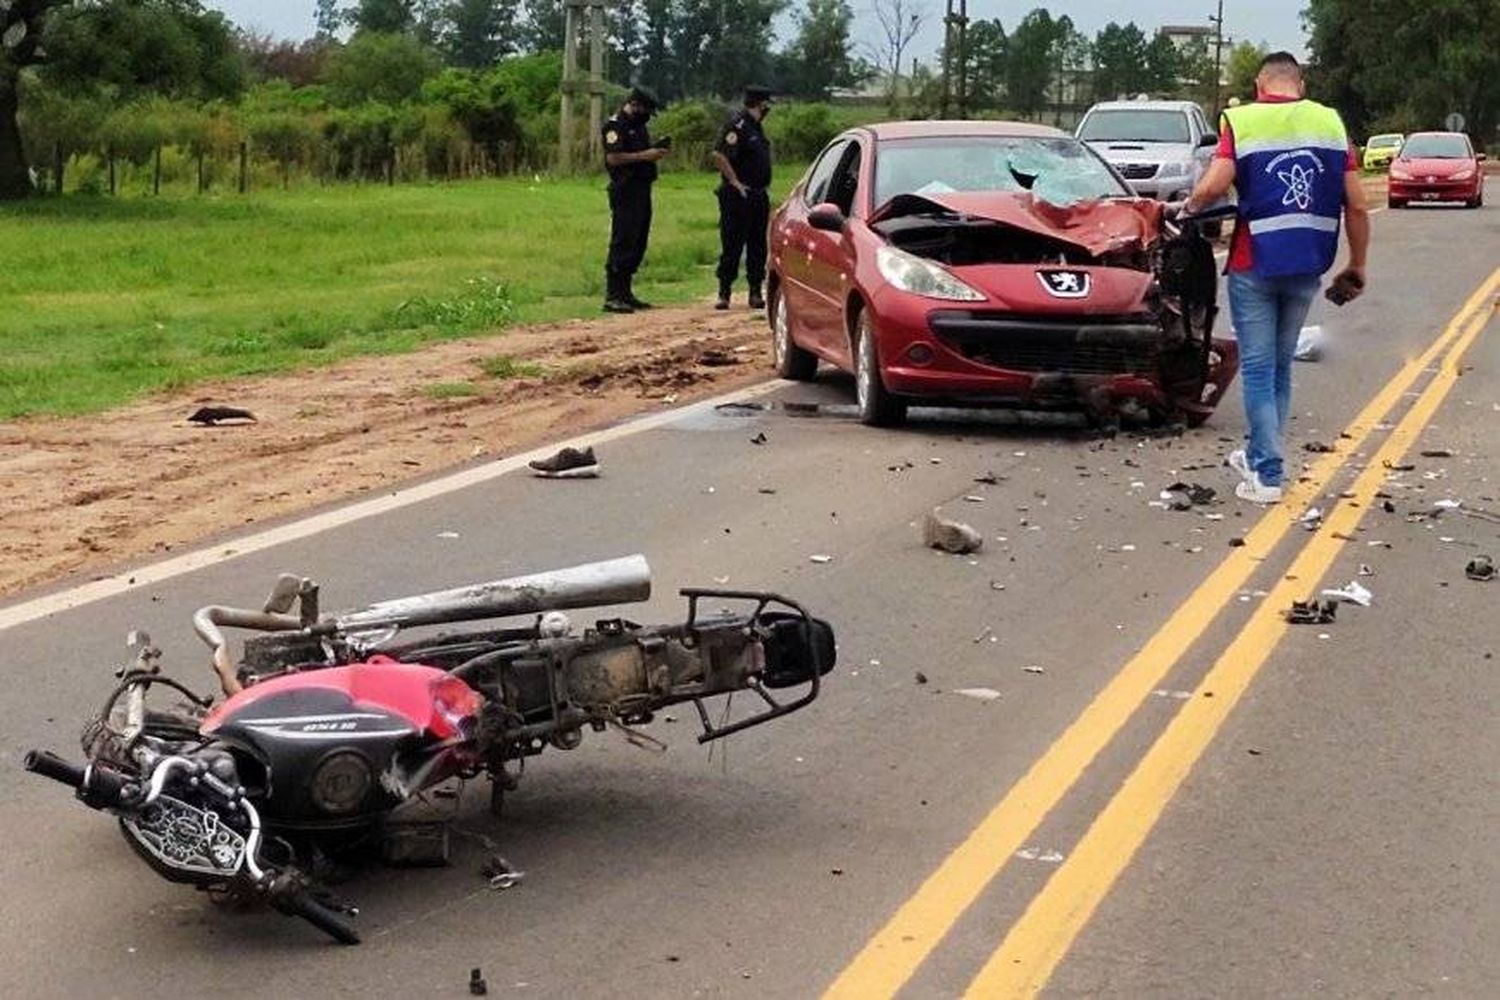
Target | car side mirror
(1480,158)
(1209,139)
(827,217)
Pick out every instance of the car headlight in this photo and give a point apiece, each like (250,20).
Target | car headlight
(1463,175)
(910,273)
(1172,170)
(1400,173)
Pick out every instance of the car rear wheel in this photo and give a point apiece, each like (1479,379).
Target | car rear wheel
(877,407)
(792,362)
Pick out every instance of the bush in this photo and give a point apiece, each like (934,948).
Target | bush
(694,128)
(799,131)
(378,68)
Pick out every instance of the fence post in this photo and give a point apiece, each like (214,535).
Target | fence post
(156,173)
(202,186)
(57,166)
(244,166)
(110,155)
(390,169)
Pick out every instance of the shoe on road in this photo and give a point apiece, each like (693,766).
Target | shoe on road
(618,306)
(1256,491)
(1239,463)
(570,463)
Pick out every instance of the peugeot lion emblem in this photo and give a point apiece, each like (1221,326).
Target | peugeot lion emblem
(1065,284)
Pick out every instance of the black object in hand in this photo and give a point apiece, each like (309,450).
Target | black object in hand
(1346,287)
(665,142)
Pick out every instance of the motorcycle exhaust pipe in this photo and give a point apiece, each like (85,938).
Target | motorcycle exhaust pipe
(614,581)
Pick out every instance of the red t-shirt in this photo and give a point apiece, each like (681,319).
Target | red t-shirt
(1239,242)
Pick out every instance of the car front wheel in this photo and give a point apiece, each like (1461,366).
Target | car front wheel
(877,407)
(792,362)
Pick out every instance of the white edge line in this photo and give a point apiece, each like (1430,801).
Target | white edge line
(233,548)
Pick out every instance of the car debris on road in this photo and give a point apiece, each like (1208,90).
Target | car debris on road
(1312,612)
(1351,593)
(1481,568)
(212,416)
(950,536)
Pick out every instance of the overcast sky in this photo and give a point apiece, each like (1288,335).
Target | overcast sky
(1276,22)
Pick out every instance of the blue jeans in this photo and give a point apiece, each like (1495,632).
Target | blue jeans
(1268,315)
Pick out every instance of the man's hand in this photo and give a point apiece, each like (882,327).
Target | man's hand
(1347,285)
(742,188)
(658,153)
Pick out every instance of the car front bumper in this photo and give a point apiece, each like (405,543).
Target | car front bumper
(1421,189)
(983,357)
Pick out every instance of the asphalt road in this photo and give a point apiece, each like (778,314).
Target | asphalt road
(1278,811)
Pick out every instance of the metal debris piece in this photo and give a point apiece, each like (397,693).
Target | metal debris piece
(1312,519)
(1436,453)
(759,438)
(972,498)
(1398,466)
(1236,542)
(1351,593)
(477,986)
(1312,612)
(1034,669)
(820,559)
(1318,447)
(501,873)
(1365,570)
(950,536)
(1481,568)
(979,694)
(989,479)
(921,677)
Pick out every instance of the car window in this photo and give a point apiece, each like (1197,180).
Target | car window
(817,181)
(1201,122)
(845,181)
(1059,170)
(1384,141)
(1135,125)
(1438,147)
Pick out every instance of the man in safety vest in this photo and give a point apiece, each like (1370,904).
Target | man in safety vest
(1296,176)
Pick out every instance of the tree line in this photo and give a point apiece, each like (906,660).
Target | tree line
(401,88)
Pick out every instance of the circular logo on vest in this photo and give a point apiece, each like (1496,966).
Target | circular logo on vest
(730,138)
(611,137)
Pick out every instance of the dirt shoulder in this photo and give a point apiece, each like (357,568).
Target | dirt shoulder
(81,494)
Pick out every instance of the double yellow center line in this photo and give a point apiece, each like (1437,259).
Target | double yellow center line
(1041,937)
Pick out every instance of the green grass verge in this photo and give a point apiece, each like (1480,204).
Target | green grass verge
(102,299)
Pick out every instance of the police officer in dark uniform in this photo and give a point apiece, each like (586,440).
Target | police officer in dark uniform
(630,157)
(743,156)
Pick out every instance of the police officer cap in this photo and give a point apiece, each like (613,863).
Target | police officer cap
(644,98)
(756,94)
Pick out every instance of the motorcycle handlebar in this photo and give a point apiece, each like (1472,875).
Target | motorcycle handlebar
(50,765)
(98,788)
(324,918)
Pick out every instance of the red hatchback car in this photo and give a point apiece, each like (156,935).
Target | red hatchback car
(1436,166)
(991,264)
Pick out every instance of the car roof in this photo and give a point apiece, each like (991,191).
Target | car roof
(1388,135)
(1462,135)
(883,131)
(1143,106)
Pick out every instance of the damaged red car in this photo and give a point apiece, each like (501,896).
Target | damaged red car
(992,264)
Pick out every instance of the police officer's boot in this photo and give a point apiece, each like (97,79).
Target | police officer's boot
(757,300)
(634,302)
(615,299)
(722,302)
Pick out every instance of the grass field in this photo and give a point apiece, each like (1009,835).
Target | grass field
(104,299)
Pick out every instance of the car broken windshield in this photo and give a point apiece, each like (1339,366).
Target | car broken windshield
(1135,126)
(1060,171)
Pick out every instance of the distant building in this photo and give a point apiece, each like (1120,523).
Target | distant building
(1187,36)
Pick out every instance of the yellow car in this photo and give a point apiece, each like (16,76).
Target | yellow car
(1382,149)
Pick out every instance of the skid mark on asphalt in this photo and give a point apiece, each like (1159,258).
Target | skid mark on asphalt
(890,958)
(1032,949)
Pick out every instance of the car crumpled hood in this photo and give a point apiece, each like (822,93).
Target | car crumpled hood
(1096,226)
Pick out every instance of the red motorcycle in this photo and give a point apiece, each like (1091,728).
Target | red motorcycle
(332,726)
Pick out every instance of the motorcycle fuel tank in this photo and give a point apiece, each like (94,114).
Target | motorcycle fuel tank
(329,738)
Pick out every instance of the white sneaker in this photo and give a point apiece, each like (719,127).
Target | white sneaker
(1239,463)
(1255,491)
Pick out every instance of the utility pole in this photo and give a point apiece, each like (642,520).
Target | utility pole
(956,58)
(586,16)
(1218,22)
